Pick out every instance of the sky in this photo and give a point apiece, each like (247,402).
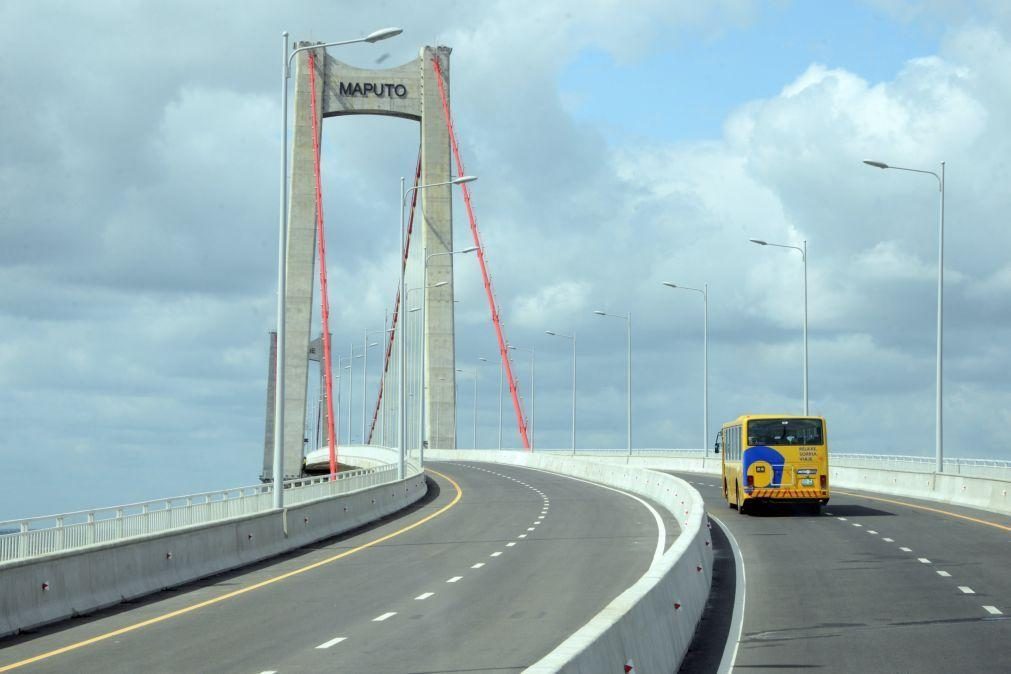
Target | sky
(618,145)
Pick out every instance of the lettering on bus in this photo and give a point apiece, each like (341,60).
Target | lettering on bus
(807,453)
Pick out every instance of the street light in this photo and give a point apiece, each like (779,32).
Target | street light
(473,372)
(803,255)
(938,412)
(421,381)
(705,357)
(424,339)
(337,401)
(401,347)
(573,338)
(483,360)
(533,393)
(351,385)
(501,369)
(282,247)
(365,371)
(628,333)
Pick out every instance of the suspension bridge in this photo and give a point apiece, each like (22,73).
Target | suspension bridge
(406,554)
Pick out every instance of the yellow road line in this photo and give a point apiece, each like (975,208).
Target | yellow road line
(918,507)
(236,593)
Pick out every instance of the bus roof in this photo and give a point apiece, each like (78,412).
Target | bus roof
(746,417)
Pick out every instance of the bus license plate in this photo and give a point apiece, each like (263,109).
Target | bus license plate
(807,482)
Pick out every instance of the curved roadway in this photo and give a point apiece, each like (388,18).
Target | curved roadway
(874,584)
(489,573)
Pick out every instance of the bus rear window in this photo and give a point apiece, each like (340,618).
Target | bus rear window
(785,432)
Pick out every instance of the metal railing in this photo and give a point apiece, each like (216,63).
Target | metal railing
(991,468)
(655,451)
(36,536)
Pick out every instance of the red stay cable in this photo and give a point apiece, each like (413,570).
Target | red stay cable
(502,344)
(324,295)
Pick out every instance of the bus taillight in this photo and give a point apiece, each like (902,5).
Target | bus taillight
(751,480)
(824,479)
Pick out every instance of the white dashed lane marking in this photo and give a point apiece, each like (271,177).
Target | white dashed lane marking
(422,597)
(964,589)
(478,565)
(510,544)
(332,642)
(385,616)
(495,554)
(454,579)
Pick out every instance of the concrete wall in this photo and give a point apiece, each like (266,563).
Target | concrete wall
(58,586)
(652,623)
(985,493)
(364,456)
(966,490)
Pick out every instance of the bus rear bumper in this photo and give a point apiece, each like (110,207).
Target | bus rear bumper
(783,495)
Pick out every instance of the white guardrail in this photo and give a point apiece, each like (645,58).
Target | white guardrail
(973,482)
(999,469)
(36,536)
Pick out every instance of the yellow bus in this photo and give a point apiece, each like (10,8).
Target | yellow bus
(774,458)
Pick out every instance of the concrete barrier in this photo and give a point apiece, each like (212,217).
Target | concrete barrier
(363,456)
(652,622)
(974,491)
(61,585)
(966,490)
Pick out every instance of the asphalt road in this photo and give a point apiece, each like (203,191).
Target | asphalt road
(490,584)
(873,584)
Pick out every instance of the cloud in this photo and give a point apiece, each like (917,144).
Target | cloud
(139,213)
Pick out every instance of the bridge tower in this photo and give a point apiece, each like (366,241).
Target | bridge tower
(410,92)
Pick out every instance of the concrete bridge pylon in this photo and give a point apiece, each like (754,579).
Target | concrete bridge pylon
(408,91)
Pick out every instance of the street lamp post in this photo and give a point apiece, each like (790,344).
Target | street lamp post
(705,357)
(421,366)
(473,372)
(501,370)
(938,411)
(533,394)
(485,361)
(337,400)
(412,310)
(573,338)
(282,248)
(628,335)
(401,346)
(365,369)
(424,336)
(803,254)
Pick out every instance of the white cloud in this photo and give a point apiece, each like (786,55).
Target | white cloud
(139,191)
